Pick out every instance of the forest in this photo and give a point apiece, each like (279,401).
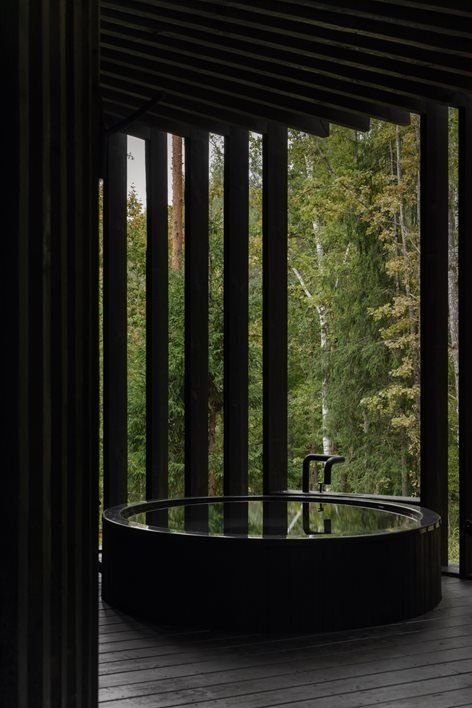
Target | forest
(353,303)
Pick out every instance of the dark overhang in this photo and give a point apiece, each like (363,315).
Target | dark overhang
(303,63)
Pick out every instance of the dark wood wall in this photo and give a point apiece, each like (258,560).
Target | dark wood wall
(48,580)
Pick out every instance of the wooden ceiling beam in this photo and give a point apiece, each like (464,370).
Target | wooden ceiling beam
(288,31)
(282,79)
(409,25)
(247,49)
(185,110)
(264,60)
(186,105)
(344,62)
(171,120)
(249,100)
(415,14)
(458,7)
(407,91)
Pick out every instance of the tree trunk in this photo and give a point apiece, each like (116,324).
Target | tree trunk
(212,419)
(177,203)
(406,266)
(453,295)
(404,473)
(327,442)
(322,314)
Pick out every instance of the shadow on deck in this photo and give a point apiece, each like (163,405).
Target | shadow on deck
(425,662)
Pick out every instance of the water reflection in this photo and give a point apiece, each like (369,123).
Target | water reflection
(327,528)
(235,518)
(275,517)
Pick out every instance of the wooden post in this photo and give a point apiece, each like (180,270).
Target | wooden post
(157,335)
(434,315)
(196,313)
(465,340)
(115,386)
(49,284)
(274,317)
(236,266)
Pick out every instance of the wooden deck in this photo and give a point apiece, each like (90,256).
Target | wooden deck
(425,662)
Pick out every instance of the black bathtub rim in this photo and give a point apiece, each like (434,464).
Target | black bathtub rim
(119,515)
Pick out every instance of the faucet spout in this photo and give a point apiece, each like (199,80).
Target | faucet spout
(329,461)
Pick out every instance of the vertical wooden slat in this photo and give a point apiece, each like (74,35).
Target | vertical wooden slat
(156,317)
(236,255)
(465,340)
(59,360)
(74,206)
(274,317)
(38,145)
(434,315)
(90,351)
(49,572)
(115,431)
(77,489)
(196,314)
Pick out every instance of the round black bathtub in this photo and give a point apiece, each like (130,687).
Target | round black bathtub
(298,562)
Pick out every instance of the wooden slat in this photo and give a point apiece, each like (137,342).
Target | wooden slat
(218,94)
(367,72)
(343,24)
(236,267)
(183,110)
(423,662)
(48,603)
(120,104)
(228,53)
(409,14)
(288,31)
(196,313)
(434,315)
(157,317)
(465,339)
(162,50)
(87,146)
(274,313)
(115,394)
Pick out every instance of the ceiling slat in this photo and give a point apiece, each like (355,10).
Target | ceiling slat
(237,78)
(436,29)
(417,66)
(289,30)
(301,63)
(131,81)
(427,13)
(249,49)
(248,99)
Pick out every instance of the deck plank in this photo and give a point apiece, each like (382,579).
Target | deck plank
(424,662)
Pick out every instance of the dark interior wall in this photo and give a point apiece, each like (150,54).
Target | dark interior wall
(49,327)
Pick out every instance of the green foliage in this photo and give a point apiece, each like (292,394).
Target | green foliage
(353,298)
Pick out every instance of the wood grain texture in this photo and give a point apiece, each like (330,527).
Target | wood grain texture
(434,316)
(236,312)
(115,323)
(48,582)
(270,583)
(157,317)
(196,313)
(423,663)
(274,308)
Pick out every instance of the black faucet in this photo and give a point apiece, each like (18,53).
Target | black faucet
(329,461)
